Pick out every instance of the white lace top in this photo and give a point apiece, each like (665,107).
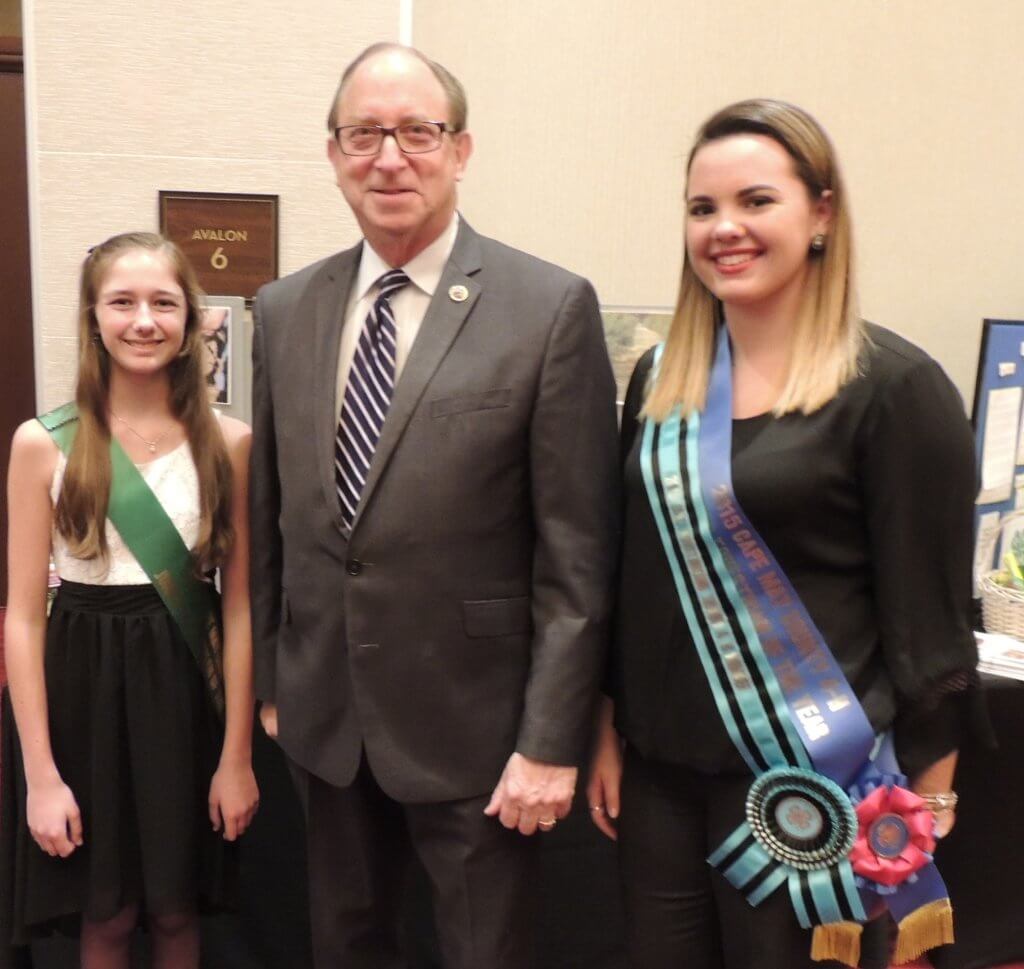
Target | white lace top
(173,479)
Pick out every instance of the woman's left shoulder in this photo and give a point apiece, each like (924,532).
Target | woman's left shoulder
(888,356)
(894,372)
(906,394)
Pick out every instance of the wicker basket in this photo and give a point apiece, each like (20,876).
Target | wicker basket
(1002,608)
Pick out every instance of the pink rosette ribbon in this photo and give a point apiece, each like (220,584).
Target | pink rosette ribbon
(895,836)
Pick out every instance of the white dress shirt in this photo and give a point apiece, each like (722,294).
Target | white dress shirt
(409,304)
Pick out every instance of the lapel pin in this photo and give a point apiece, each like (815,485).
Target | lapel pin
(458,294)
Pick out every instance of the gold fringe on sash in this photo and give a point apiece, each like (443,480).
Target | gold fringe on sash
(837,940)
(925,928)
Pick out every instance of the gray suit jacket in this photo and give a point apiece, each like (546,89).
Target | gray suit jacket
(465,614)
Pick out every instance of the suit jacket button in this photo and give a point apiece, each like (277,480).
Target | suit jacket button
(353,566)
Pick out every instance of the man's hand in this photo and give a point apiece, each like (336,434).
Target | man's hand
(268,719)
(532,794)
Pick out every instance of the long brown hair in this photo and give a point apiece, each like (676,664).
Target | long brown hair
(828,334)
(81,511)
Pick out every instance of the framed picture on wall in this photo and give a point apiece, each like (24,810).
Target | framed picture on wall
(226,355)
(629,333)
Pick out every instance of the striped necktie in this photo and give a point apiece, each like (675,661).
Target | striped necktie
(371,381)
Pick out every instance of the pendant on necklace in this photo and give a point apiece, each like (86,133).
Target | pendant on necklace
(152,448)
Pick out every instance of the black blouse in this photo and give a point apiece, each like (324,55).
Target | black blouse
(867,505)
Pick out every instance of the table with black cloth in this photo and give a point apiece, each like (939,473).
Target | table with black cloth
(982,859)
(580,916)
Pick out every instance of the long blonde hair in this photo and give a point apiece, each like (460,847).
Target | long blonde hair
(81,511)
(828,335)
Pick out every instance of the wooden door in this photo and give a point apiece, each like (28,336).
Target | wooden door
(17,379)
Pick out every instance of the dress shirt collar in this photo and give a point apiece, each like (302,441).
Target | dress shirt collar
(424,269)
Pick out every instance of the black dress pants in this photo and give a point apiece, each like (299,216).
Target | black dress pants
(360,845)
(680,912)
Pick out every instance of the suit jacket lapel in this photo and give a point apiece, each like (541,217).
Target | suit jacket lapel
(331,300)
(441,324)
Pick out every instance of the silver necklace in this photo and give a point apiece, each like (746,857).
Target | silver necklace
(152,445)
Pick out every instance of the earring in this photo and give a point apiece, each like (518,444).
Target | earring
(818,242)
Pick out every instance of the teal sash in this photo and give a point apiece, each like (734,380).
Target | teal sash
(158,548)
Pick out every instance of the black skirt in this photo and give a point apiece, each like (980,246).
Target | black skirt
(135,738)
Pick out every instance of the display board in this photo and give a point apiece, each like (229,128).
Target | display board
(999,442)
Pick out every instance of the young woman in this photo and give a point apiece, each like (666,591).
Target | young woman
(783,538)
(133,711)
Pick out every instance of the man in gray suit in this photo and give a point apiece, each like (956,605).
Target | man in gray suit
(434,517)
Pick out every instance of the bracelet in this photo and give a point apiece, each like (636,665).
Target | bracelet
(946,801)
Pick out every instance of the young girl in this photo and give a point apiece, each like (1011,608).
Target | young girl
(134,724)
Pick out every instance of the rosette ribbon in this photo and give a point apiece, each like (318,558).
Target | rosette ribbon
(787,707)
(895,839)
(892,858)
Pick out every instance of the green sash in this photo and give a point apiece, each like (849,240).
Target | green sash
(157,546)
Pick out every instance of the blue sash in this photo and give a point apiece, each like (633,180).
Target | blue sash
(785,704)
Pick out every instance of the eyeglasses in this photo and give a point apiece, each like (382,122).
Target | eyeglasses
(413,137)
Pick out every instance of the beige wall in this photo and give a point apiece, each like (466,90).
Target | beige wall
(583,113)
(222,96)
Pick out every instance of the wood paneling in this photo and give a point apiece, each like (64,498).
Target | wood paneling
(17,381)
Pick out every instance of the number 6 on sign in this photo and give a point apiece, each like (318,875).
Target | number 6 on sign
(218,260)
